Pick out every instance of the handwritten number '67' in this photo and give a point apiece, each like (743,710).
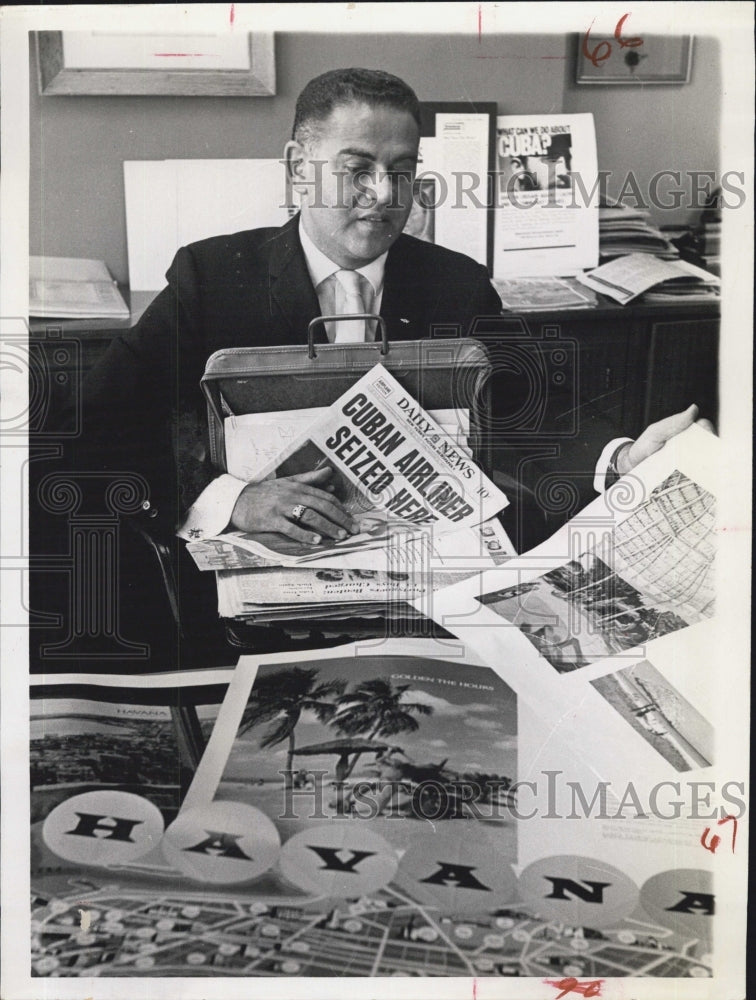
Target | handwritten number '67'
(603,49)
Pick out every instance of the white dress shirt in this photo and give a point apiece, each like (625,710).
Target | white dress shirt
(322,272)
(211,512)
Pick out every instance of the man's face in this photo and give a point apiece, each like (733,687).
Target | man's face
(549,172)
(358,174)
(538,173)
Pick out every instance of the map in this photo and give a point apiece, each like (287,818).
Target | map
(134,931)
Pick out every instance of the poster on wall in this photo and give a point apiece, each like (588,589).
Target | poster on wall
(545,220)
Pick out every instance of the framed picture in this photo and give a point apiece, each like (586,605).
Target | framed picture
(152,65)
(457,148)
(644,59)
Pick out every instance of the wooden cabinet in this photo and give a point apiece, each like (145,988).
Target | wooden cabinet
(63,351)
(633,364)
(682,367)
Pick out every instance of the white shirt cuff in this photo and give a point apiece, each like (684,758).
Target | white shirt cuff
(602,466)
(211,511)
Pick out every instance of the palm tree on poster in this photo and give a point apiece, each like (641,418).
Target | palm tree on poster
(281,698)
(378,708)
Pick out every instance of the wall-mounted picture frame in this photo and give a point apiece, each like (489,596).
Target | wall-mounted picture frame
(636,61)
(98,63)
(454,135)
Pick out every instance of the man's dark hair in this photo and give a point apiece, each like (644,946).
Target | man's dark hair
(349,86)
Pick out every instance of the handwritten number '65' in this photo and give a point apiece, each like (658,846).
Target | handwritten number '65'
(603,49)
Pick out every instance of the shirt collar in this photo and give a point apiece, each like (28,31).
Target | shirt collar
(322,267)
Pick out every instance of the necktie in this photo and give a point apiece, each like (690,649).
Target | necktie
(352,330)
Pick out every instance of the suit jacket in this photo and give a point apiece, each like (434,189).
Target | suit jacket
(142,406)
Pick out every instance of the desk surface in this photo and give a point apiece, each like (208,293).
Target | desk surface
(137,302)
(604,309)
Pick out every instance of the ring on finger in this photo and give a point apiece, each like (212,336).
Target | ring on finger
(297,512)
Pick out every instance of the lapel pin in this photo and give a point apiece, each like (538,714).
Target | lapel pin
(403,320)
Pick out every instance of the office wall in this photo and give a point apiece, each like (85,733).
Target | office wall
(646,130)
(78,144)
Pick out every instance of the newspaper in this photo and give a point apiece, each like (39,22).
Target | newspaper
(397,472)
(487,47)
(426,479)
(247,549)
(544,224)
(402,549)
(424,568)
(532,294)
(253,440)
(366,583)
(241,593)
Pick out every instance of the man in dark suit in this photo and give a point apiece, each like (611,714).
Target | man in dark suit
(352,158)
(250,288)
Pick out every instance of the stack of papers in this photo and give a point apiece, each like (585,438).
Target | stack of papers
(336,591)
(625,230)
(73,288)
(625,278)
(425,512)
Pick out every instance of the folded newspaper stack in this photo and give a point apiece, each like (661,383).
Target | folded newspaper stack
(425,510)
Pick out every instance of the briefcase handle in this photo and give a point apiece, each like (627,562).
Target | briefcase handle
(327,319)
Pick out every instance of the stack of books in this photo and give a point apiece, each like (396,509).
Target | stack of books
(625,230)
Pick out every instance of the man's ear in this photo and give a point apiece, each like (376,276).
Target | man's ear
(296,159)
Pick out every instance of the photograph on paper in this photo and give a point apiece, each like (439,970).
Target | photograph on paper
(649,703)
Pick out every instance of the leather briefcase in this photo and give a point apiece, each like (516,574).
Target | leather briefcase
(439,374)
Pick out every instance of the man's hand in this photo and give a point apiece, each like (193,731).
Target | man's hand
(268,506)
(656,436)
